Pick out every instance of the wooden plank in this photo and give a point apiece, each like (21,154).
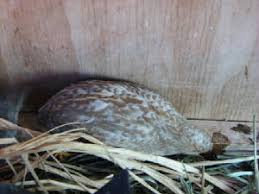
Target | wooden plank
(224,136)
(225,128)
(202,55)
(232,137)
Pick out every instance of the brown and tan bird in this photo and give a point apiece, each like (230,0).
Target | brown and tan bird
(124,114)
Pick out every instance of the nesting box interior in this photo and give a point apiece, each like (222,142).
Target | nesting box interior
(200,55)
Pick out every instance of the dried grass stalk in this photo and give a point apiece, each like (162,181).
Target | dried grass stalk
(38,154)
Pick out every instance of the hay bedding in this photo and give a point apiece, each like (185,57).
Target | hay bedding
(33,164)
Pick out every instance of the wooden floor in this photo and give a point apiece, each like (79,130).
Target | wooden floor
(29,120)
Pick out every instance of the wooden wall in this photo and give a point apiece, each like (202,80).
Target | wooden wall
(200,54)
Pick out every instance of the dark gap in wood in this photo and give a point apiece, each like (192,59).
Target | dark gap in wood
(220,120)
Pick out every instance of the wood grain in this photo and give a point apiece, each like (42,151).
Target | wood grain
(202,55)
(225,128)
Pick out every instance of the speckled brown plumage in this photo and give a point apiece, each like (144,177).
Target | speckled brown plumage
(125,115)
